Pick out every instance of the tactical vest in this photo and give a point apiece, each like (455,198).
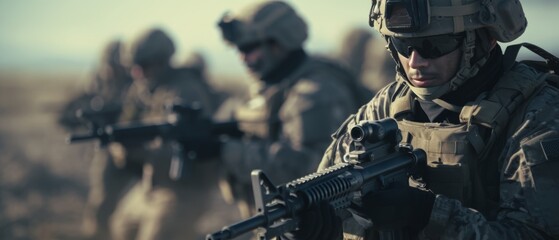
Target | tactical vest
(259,118)
(458,153)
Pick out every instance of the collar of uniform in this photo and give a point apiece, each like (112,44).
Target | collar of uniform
(486,78)
(482,82)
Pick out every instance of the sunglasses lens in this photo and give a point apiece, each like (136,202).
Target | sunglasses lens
(428,47)
(248,48)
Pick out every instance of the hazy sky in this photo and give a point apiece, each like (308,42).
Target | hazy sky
(69,34)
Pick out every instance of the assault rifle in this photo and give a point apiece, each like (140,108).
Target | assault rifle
(89,110)
(98,118)
(195,133)
(377,162)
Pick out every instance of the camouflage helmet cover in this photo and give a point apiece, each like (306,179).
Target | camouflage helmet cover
(153,46)
(266,20)
(504,19)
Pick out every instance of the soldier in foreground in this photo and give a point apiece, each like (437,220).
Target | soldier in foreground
(487,123)
(156,205)
(296,103)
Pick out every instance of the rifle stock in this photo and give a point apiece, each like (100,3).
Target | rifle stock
(377,163)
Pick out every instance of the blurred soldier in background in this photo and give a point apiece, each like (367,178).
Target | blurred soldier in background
(293,108)
(367,58)
(100,105)
(196,63)
(156,206)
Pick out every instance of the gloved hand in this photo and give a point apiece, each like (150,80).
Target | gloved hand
(319,223)
(117,153)
(397,208)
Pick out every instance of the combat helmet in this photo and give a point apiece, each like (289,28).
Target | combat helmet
(152,47)
(266,20)
(112,53)
(502,20)
(112,65)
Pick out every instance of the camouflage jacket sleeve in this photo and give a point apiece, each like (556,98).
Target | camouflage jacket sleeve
(132,105)
(528,186)
(312,110)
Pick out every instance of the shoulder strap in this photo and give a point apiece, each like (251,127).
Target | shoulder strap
(517,84)
(551,61)
(550,65)
(494,109)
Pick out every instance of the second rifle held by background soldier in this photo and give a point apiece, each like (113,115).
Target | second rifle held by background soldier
(198,137)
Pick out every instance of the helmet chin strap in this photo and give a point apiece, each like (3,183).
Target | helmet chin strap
(430,93)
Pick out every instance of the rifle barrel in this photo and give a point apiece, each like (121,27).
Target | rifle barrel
(80,137)
(260,220)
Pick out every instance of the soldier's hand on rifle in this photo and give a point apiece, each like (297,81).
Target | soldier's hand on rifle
(319,223)
(118,154)
(396,208)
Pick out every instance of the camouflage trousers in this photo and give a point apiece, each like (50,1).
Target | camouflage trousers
(108,184)
(186,209)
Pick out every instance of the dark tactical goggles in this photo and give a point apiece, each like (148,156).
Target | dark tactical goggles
(248,48)
(404,16)
(428,47)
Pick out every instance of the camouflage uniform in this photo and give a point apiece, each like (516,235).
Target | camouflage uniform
(112,80)
(105,96)
(156,206)
(526,161)
(491,161)
(196,64)
(292,110)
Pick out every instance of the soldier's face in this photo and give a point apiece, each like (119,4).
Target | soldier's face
(137,72)
(424,72)
(261,58)
(252,56)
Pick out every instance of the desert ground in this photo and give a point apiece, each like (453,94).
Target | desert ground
(43,180)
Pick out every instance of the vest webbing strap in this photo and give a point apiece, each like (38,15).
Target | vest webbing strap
(512,51)
(494,110)
(451,11)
